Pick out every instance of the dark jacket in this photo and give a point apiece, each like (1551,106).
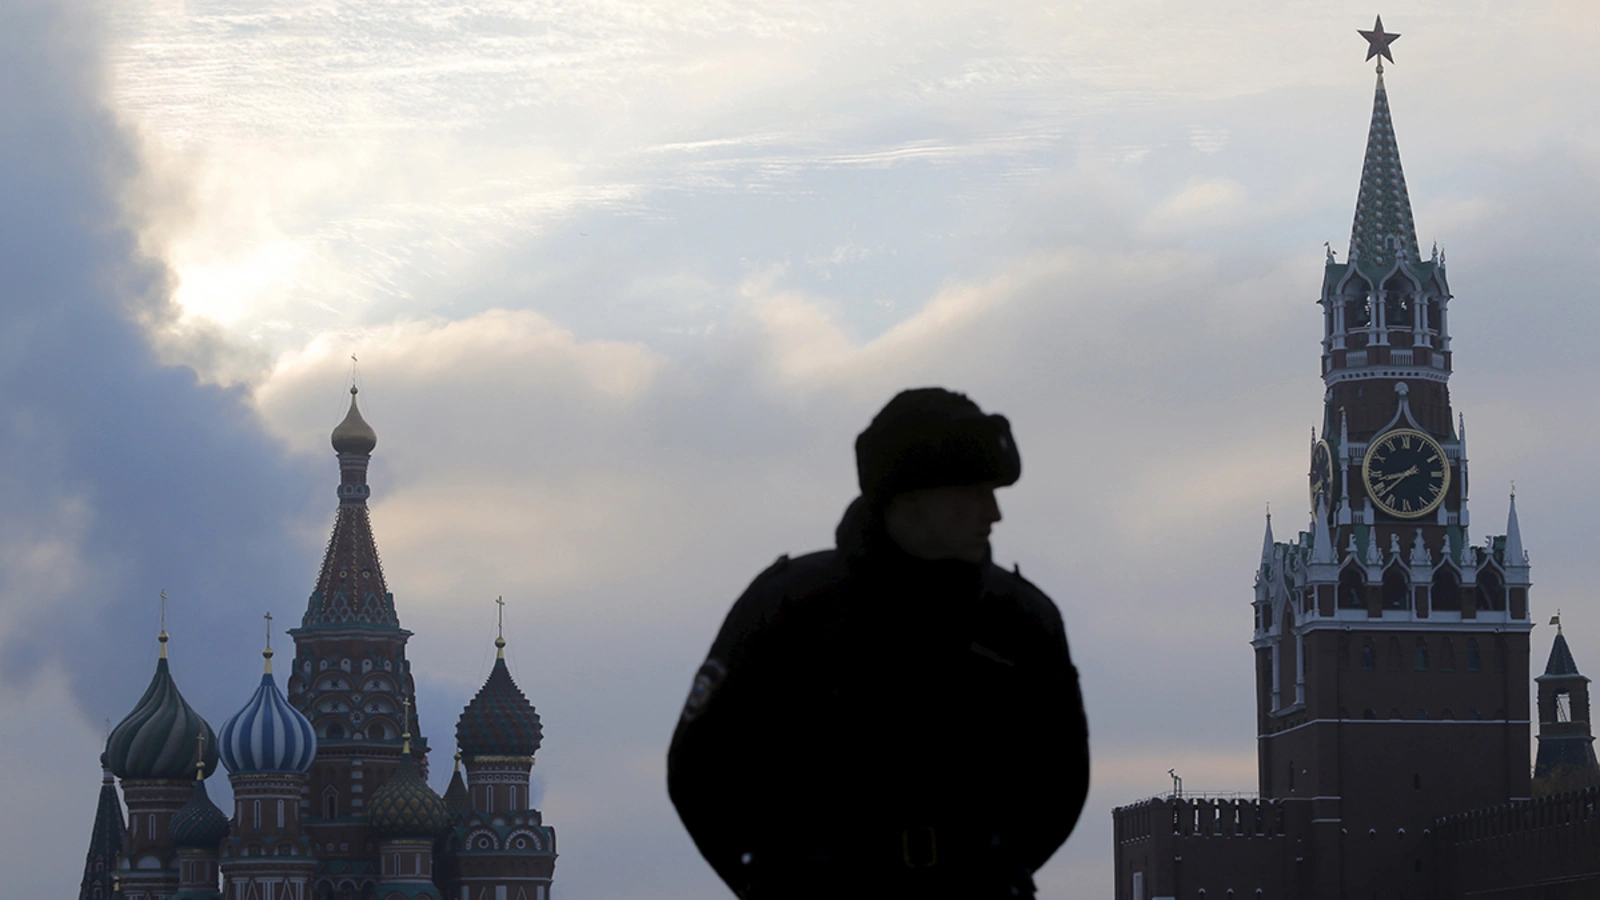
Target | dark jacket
(871,724)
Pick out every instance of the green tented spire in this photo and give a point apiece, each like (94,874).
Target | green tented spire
(1383,231)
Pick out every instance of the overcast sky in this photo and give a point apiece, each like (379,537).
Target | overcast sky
(626,277)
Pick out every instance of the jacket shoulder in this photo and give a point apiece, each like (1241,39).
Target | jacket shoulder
(777,591)
(1027,596)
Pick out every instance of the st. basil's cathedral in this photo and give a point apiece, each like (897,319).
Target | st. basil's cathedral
(331,800)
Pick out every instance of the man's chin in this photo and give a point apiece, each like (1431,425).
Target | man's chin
(977,553)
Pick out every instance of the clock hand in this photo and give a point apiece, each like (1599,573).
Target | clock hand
(1397,478)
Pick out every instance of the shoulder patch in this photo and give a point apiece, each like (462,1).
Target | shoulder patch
(706,682)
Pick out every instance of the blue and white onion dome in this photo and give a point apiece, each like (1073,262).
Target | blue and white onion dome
(268,735)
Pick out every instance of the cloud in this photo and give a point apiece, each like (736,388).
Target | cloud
(1203,204)
(119,476)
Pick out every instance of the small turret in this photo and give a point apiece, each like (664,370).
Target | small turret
(1566,759)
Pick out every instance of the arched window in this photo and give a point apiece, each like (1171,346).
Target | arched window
(330,804)
(1500,653)
(1369,654)
(1352,589)
(1474,658)
(1357,311)
(1422,714)
(1396,589)
(1447,656)
(1397,305)
(1344,652)
(1394,654)
(1446,594)
(1491,590)
(1369,713)
(1419,660)
(1447,715)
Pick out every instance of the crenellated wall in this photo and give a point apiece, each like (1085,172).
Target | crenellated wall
(1547,848)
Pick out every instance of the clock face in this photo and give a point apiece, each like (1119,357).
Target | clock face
(1321,475)
(1406,473)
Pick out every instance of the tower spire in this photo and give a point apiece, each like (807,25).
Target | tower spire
(1383,232)
(1514,553)
(350,588)
(1266,541)
(105,841)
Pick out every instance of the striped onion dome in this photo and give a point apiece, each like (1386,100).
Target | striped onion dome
(158,739)
(268,735)
(405,807)
(199,823)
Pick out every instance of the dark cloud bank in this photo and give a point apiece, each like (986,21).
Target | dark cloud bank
(149,479)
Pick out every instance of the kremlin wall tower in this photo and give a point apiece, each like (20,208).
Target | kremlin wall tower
(331,800)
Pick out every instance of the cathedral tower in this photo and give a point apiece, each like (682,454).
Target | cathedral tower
(1391,651)
(350,678)
(267,747)
(153,751)
(499,848)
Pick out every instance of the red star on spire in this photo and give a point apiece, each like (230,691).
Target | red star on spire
(1378,42)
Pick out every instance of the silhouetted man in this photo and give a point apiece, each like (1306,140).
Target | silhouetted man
(897,717)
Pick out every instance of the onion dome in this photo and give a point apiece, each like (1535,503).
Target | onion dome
(499,721)
(406,807)
(199,823)
(456,799)
(268,735)
(354,435)
(157,739)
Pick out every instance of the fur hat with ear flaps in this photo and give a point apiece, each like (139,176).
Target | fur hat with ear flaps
(931,437)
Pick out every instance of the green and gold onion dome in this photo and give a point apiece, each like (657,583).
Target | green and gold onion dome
(157,740)
(406,807)
(199,823)
(499,721)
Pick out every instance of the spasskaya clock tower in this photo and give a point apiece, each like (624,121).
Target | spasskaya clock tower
(1391,649)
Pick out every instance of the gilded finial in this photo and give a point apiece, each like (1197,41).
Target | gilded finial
(500,628)
(200,756)
(267,653)
(458,760)
(162,637)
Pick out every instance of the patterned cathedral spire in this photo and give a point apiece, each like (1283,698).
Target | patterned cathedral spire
(105,842)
